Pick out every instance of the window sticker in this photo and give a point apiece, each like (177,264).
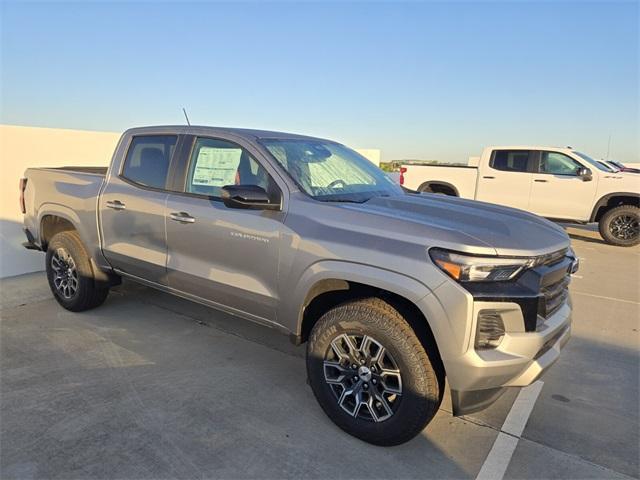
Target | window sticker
(216,167)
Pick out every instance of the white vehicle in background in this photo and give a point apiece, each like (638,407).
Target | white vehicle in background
(623,167)
(557,183)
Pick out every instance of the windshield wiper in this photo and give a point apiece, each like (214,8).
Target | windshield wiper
(342,200)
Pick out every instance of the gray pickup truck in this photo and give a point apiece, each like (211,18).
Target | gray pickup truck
(392,291)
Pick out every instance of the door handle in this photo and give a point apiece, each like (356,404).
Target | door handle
(489,178)
(539,180)
(182,217)
(116,204)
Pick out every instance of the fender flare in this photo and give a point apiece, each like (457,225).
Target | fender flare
(62,211)
(57,210)
(341,271)
(605,199)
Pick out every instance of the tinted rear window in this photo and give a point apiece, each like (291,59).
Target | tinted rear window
(148,158)
(510,160)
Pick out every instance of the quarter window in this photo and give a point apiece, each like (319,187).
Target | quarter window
(148,158)
(218,163)
(558,164)
(510,160)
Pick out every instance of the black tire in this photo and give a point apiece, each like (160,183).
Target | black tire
(86,294)
(421,386)
(619,226)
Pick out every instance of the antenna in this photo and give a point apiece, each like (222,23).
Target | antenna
(186,116)
(608,146)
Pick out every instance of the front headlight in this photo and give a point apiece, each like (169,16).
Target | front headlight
(468,268)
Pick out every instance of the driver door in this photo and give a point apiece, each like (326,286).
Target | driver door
(225,256)
(558,192)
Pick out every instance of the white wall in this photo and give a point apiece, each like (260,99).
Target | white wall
(24,147)
(371,154)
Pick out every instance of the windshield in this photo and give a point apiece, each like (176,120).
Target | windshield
(619,165)
(610,168)
(593,162)
(331,172)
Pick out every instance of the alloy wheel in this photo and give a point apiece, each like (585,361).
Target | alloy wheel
(363,376)
(65,273)
(624,227)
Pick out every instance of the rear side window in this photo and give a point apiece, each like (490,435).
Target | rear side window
(148,158)
(510,160)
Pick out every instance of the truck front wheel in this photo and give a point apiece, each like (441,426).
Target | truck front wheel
(371,374)
(619,226)
(70,274)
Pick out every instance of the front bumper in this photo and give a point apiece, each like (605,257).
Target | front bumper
(520,360)
(535,312)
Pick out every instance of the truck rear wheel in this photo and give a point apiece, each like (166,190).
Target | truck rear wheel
(619,226)
(70,274)
(371,374)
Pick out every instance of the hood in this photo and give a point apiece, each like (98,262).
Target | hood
(466,225)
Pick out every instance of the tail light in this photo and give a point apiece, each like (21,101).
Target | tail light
(23,186)
(403,170)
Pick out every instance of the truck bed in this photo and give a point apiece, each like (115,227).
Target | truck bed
(92,170)
(461,178)
(70,193)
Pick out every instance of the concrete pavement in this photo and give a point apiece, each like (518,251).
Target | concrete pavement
(151,386)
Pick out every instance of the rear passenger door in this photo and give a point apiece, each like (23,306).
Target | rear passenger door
(132,209)
(507,179)
(225,256)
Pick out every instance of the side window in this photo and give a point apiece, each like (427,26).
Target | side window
(148,158)
(510,160)
(217,163)
(558,164)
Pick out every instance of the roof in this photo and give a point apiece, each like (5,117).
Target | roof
(530,147)
(247,133)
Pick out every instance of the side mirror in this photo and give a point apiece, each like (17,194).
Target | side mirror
(585,174)
(247,197)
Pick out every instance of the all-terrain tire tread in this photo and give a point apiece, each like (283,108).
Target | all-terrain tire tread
(603,226)
(382,316)
(89,295)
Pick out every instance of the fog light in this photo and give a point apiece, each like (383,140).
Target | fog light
(490,329)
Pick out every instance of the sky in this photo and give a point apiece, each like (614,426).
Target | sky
(419,80)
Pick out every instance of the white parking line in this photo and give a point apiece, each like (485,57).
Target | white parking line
(606,298)
(521,409)
(496,463)
(499,457)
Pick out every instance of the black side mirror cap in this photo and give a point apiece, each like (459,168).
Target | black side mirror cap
(585,174)
(250,197)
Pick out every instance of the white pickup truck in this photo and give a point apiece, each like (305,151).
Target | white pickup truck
(557,183)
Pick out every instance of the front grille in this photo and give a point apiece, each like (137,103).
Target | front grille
(555,295)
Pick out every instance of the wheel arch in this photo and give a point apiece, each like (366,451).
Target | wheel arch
(612,200)
(54,219)
(337,282)
(51,224)
(446,186)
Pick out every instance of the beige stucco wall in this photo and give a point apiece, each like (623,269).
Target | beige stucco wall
(372,154)
(24,147)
